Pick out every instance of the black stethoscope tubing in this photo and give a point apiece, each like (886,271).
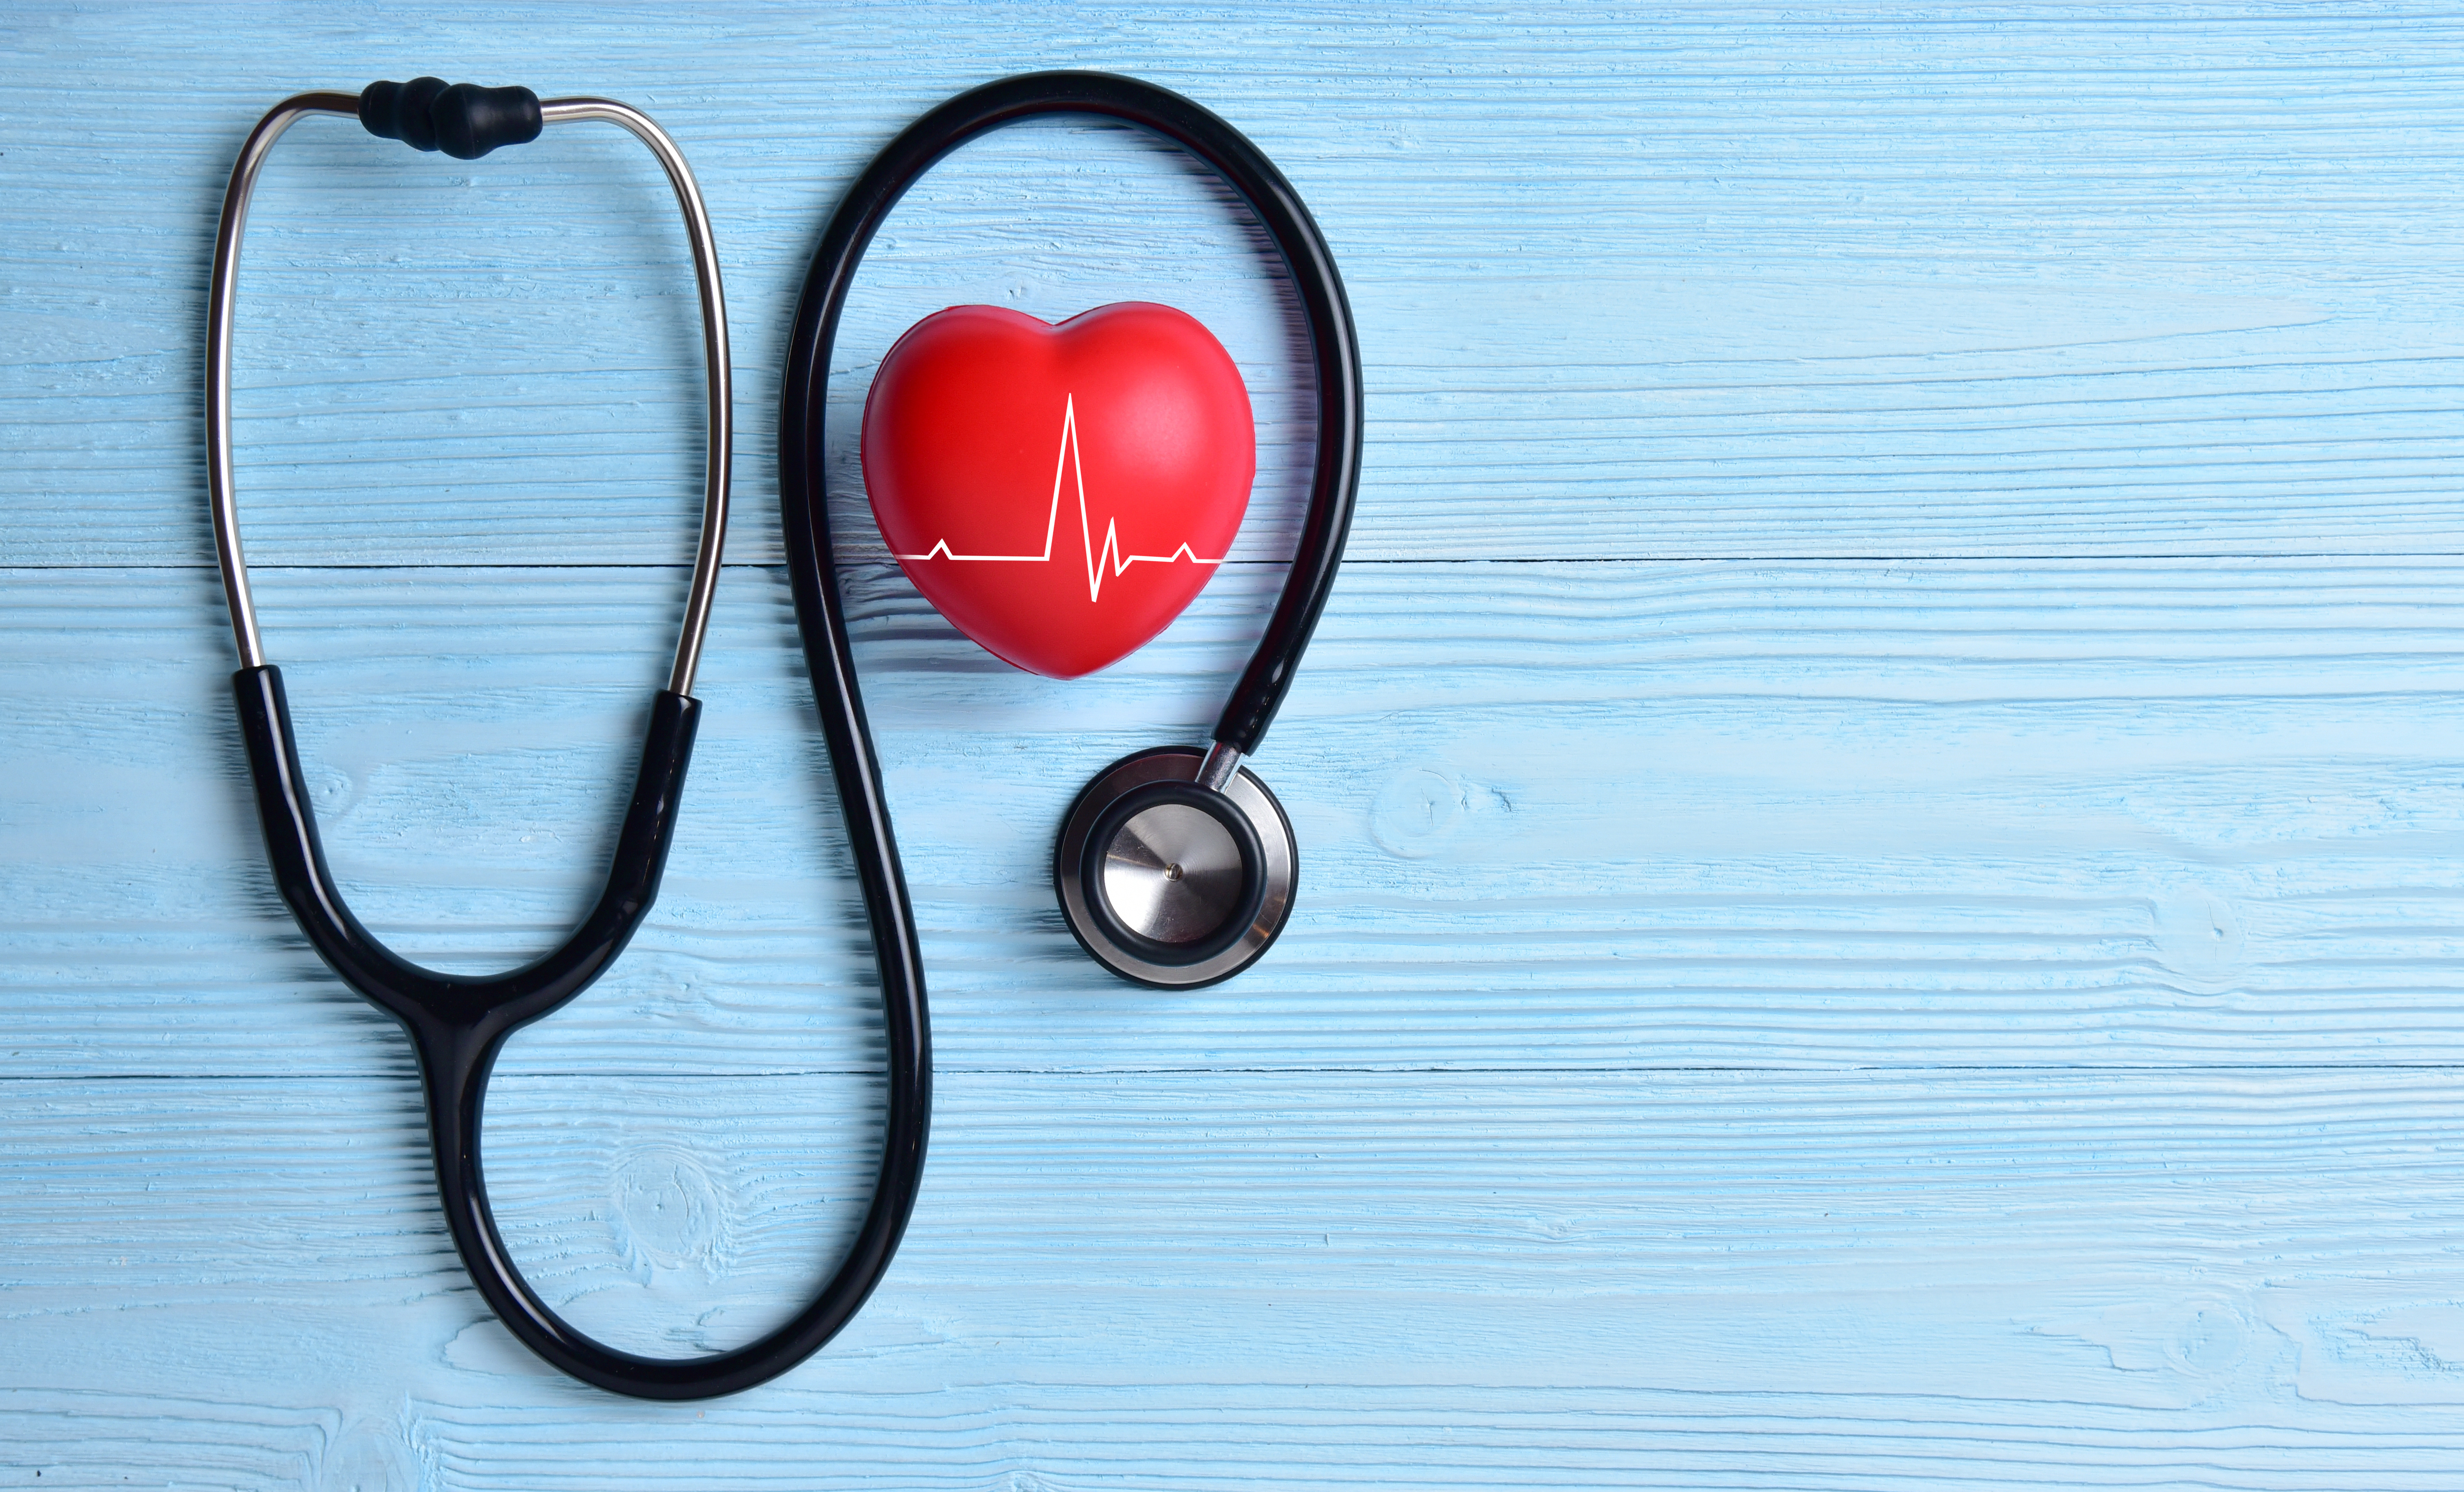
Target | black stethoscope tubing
(457,1023)
(460,1024)
(812,557)
(1324,309)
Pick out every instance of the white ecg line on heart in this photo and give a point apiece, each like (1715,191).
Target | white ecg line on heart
(1097,564)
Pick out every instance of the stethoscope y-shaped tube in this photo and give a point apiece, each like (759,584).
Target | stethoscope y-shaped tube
(459,1025)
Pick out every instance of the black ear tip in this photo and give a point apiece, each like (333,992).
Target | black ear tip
(376,104)
(463,119)
(471,120)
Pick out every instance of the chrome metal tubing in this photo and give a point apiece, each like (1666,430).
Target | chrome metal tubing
(218,334)
(717,469)
(1223,759)
(714,347)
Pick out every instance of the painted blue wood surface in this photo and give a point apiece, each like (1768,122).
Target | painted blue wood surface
(1883,841)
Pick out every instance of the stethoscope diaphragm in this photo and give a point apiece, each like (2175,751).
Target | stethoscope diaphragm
(1169,883)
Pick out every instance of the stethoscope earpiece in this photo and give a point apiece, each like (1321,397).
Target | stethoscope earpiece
(1170,883)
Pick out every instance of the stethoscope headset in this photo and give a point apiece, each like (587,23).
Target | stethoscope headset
(1175,868)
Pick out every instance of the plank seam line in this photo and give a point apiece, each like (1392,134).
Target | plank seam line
(1723,557)
(357,1074)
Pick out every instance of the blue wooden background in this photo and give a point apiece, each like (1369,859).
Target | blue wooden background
(1883,884)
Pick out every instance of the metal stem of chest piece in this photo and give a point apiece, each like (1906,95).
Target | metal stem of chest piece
(1223,759)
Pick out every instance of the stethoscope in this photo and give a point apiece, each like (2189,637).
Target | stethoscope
(1175,868)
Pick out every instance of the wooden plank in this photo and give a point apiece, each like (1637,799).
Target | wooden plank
(1951,812)
(1327,1279)
(1880,816)
(1718,282)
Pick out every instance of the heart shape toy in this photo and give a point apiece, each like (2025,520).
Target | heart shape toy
(1059,493)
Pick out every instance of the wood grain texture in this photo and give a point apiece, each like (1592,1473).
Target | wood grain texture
(1880,822)
(1951,812)
(1632,1279)
(1738,282)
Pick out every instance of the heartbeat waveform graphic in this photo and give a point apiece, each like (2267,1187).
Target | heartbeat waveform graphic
(1109,560)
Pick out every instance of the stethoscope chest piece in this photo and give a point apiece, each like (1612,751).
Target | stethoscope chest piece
(1170,883)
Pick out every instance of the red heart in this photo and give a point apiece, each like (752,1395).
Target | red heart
(1059,493)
